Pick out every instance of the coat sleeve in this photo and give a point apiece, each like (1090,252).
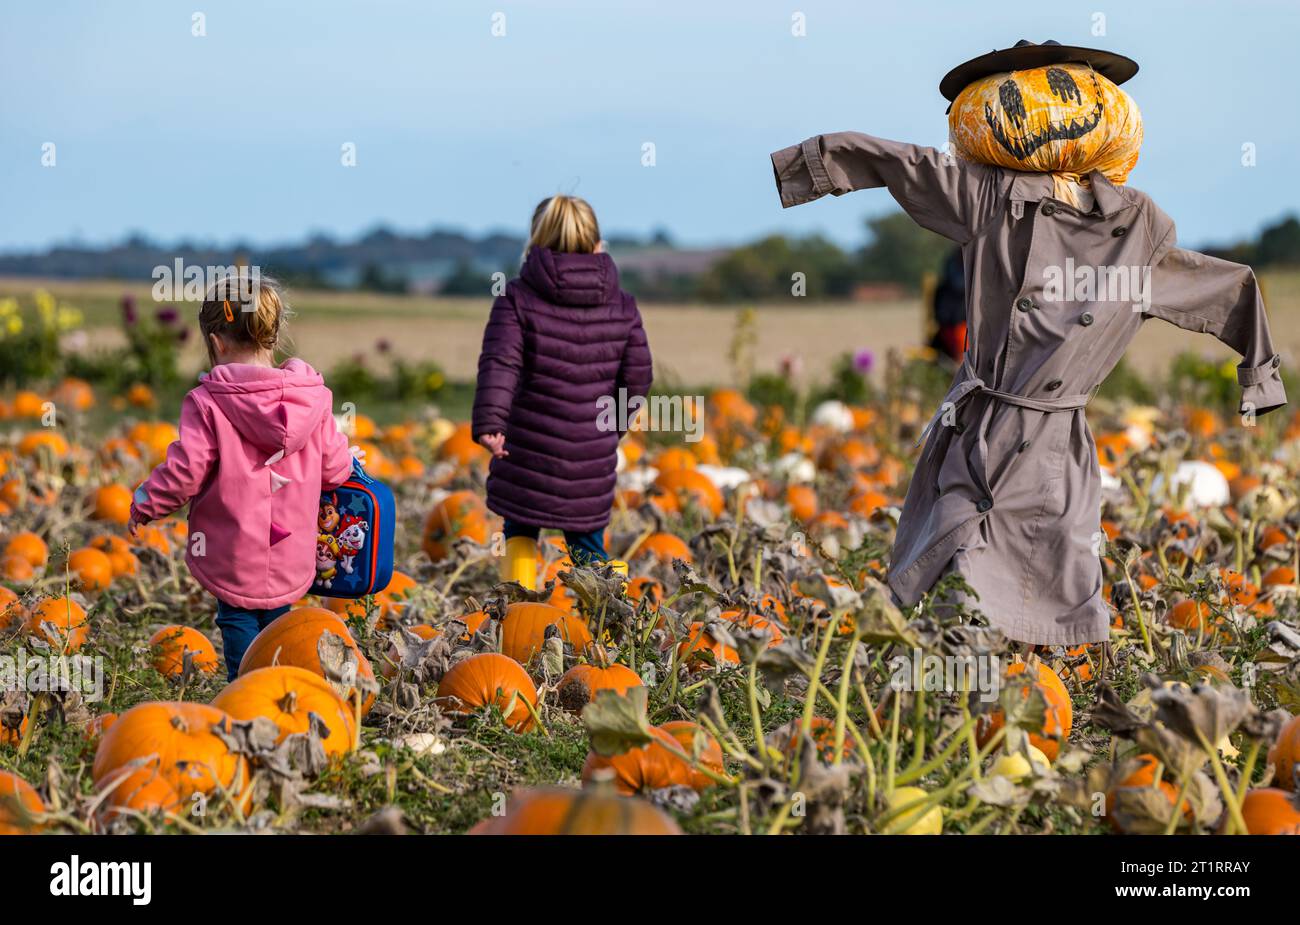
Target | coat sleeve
(499,365)
(1200,293)
(636,370)
(336,455)
(182,473)
(941,192)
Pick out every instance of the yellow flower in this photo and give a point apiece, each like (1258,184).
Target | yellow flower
(14,324)
(45,304)
(434,381)
(8,307)
(69,318)
(1228,370)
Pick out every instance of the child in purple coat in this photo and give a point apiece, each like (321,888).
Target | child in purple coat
(563,341)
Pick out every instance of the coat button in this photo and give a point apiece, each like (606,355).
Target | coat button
(1119,232)
(1025,304)
(959,428)
(1024,446)
(1053,385)
(1277,360)
(984,505)
(1049,209)
(1086,319)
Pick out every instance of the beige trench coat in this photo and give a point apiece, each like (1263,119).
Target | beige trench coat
(1007,488)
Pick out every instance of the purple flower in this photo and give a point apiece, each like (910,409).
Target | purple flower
(383,345)
(863,361)
(129,314)
(166,315)
(183,335)
(791,365)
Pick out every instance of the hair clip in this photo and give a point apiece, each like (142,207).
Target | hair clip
(230,316)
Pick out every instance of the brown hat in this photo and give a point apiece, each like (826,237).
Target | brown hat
(1026,54)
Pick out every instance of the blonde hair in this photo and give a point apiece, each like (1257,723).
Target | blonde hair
(246,309)
(566,224)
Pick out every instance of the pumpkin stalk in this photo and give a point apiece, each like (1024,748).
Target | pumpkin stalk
(1237,824)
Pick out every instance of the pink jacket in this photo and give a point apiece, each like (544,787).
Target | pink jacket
(257,446)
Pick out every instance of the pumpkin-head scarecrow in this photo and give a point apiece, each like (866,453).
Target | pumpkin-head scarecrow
(1063,262)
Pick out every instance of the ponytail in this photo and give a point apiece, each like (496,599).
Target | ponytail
(566,224)
(246,310)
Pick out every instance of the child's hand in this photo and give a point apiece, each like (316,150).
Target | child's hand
(358,454)
(134,524)
(496,443)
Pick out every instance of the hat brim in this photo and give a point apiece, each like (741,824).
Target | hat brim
(1115,68)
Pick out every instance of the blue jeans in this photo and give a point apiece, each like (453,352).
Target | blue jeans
(238,627)
(584,548)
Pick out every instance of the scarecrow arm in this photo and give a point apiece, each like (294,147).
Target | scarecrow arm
(179,477)
(1200,293)
(949,196)
(499,365)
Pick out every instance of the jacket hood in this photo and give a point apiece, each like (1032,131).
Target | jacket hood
(273,408)
(570,279)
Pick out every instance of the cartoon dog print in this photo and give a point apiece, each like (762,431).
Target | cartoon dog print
(328,517)
(351,538)
(327,555)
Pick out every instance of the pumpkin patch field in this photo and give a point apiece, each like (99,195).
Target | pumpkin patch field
(748,674)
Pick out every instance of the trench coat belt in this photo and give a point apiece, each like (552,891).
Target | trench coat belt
(962,391)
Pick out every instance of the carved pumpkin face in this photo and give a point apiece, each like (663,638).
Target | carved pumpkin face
(1064,118)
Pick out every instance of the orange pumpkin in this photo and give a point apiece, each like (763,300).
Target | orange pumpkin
(459,514)
(803,502)
(579,685)
(557,811)
(177,740)
(60,621)
(30,547)
(524,630)
(1059,717)
(644,768)
(695,741)
(649,589)
(663,548)
(1269,811)
(489,678)
(688,486)
(287,696)
(461,449)
(112,503)
(389,602)
(294,639)
(119,554)
(1142,777)
(18,803)
(1285,755)
(90,569)
(170,645)
(138,790)
(12,610)
(697,641)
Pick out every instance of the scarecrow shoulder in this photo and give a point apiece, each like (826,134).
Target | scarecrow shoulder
(1152,221)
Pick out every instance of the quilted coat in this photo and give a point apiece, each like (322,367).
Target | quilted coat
(560,340)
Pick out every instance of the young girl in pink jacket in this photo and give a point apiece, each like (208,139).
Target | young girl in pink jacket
(258,444)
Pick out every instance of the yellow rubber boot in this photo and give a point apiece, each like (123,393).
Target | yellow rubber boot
(521,562)
(619,566)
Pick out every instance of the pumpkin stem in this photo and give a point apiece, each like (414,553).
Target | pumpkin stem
(289,702)
(179,724)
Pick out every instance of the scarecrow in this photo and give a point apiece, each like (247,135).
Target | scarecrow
(1063,263)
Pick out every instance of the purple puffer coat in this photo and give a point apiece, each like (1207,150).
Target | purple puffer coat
(562,337)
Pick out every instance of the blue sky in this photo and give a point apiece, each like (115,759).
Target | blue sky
(238,134)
